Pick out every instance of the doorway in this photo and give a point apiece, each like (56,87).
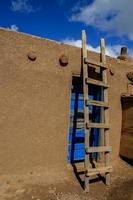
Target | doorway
(76,148)
(126,144)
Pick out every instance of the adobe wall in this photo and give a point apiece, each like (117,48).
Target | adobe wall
(35,102)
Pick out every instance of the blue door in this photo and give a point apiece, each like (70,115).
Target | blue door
(76,148)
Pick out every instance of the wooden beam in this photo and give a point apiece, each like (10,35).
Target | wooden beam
(97,125)
(96,82)
(97,103)
(92,62)
(106,112)
(100,170)
(86,110)
(98,149)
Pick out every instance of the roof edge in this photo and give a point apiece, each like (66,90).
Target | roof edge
(50,40)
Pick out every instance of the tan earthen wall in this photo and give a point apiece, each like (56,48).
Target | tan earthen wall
(35,102)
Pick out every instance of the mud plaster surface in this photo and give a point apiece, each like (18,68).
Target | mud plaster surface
(35,108)
(68,188)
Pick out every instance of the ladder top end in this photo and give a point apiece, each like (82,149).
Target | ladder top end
(102,44)
(102,40)
(83,32)
(84,36)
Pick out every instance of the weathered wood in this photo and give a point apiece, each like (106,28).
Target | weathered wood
(94,63)
(100,170)
(98,149)
(86,111)
(97,125)
(96,82)
(106,112)
(63,60)
(97,103)
(104,125)
(32,56)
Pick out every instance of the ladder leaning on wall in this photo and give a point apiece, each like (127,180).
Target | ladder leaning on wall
(104,122)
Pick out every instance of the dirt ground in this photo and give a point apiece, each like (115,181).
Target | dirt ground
(70,189)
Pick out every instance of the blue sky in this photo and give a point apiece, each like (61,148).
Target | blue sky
(63,20)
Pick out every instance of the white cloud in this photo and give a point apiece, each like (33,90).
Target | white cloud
(22,6)
(14,27)
(111,50)
(112,16)
(78,43)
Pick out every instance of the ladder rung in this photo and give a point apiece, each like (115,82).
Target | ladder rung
(100,170)
(96,103)
(92,62)
(96,82)
(97,125)
(97,149)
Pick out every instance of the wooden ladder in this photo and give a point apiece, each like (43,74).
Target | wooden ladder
(104,122)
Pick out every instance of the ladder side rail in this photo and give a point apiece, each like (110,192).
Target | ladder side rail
(106,111)
(86,110)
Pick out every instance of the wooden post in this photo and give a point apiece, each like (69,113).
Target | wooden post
(86,109)
(106,111)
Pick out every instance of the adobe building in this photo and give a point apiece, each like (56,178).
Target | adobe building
(35,103)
